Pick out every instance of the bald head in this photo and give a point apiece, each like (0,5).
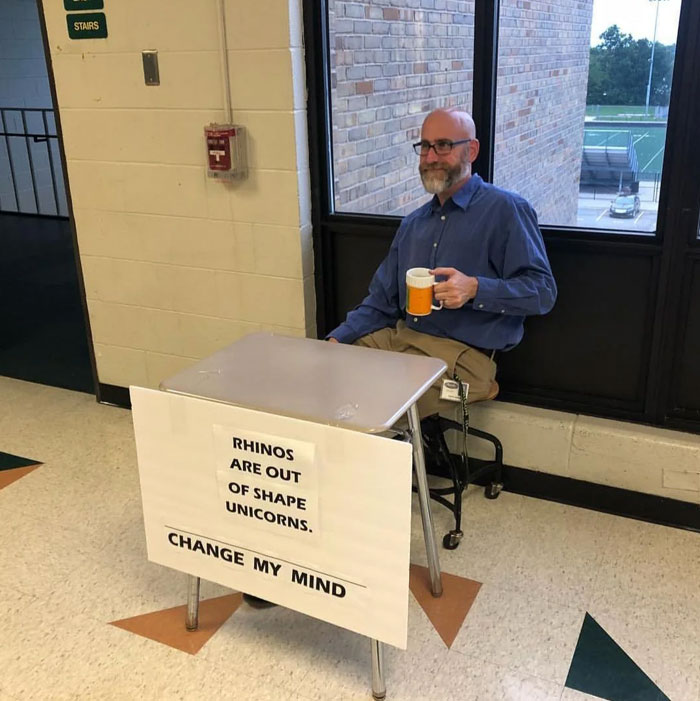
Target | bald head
(454,120)
(446,172)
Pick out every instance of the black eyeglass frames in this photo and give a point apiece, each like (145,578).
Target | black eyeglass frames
(441,147)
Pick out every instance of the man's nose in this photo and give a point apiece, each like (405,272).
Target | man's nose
(431,156)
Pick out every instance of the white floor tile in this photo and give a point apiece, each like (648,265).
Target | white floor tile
(573,695)
(484,523)
(73,558)
(522,631)
(649,575)
(553,551)
(461,678)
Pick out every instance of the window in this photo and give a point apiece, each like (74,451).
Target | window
(571,101)
(582,101)
(390,66)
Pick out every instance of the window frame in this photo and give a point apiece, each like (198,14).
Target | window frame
(668,247)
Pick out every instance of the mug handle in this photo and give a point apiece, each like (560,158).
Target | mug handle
(432,306)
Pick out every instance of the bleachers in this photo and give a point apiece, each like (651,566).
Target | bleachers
(609,159)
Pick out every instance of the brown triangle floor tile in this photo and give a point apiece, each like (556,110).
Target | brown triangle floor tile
(447,612)
(9,476)
(168,626)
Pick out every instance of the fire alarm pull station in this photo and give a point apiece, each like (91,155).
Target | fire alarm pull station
(226,151)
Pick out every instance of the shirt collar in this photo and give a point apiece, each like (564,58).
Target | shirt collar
(463,196)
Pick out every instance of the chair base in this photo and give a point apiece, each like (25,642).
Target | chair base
(439,461)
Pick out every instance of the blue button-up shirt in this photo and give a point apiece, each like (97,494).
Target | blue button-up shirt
(482,231)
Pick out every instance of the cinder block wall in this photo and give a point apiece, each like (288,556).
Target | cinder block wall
(614,453)
(177,265)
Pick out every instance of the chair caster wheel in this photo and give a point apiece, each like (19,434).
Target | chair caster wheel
(493,490)
(452,540)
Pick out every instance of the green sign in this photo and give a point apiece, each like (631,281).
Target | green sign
(87,25)
(83,4)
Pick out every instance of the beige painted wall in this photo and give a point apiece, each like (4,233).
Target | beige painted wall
(177,265)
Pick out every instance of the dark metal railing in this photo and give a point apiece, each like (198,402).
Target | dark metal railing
(31,177)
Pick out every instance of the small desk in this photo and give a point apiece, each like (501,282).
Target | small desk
(355,388)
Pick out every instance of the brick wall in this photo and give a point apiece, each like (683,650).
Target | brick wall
(393,61)
(541,102)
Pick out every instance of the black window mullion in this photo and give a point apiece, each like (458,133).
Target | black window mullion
(680,190)
(484,82)
(316,48)
(679,174)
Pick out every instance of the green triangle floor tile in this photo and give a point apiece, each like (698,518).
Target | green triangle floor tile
(10,462)
(600,667)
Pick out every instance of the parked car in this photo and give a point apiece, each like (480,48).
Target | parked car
(625,206)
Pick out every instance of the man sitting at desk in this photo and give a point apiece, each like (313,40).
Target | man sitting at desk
(485,248)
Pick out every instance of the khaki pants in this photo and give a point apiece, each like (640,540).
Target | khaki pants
(471,365)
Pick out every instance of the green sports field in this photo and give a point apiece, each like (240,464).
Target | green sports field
(621,112)
(648,142)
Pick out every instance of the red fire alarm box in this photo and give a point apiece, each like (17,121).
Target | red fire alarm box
(225,151)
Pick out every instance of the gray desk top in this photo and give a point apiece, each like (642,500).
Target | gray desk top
(358,388)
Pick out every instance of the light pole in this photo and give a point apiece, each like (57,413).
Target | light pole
(651,62)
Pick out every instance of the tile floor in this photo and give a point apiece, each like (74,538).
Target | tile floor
(73,559)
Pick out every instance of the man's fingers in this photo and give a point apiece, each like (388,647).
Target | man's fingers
(443,271)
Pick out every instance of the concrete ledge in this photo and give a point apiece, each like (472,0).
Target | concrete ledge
(615,453)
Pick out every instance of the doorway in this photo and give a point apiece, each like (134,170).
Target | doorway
(43,333)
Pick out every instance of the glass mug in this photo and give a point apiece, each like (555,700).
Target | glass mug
(419,292)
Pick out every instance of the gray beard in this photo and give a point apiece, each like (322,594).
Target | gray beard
(437,180)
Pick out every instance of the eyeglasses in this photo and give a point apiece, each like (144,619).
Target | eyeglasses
(441,147)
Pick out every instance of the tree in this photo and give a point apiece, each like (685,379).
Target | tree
(619,70)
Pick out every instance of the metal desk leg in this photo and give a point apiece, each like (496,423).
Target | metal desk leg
(192,621)
(378,685)
(424,501)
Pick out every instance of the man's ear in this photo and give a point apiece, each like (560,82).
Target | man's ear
(474,147)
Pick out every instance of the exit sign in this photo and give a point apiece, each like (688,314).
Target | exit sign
(83,4)
(87,25)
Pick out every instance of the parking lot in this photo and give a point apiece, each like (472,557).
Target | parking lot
(594,211)
(648,141)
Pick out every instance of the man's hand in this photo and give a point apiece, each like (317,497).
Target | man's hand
(457,290)
(333,340)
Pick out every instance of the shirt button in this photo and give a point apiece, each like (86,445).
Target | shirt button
(481,306)
(442,217)
(503,311)
(435,245)
(415,318)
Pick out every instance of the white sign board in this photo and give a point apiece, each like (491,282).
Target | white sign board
(312,517)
